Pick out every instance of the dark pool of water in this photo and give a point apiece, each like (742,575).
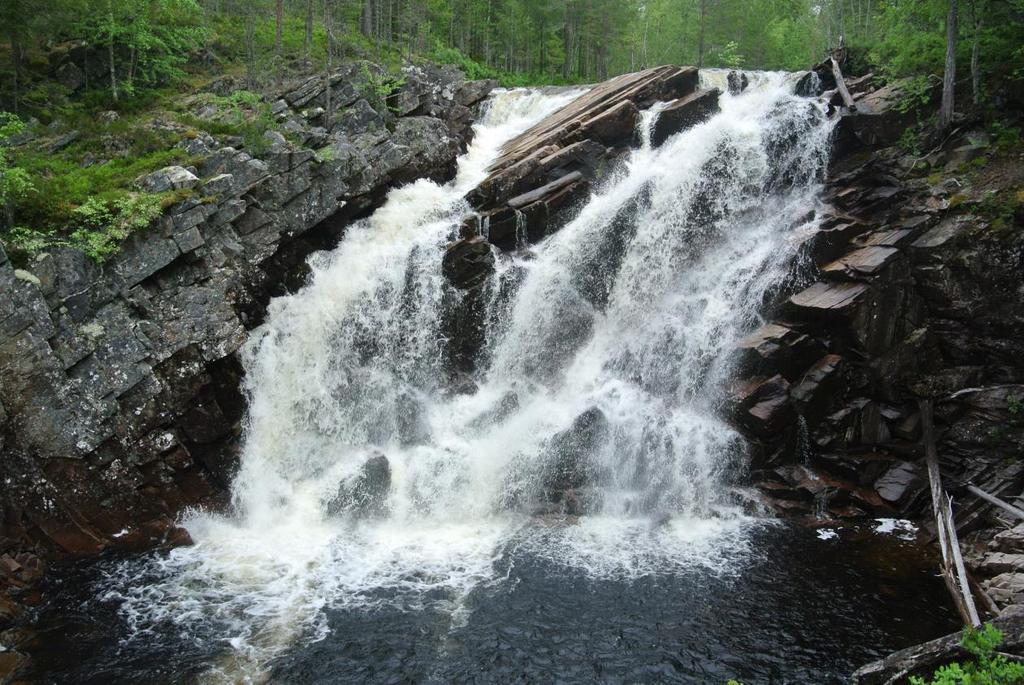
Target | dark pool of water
(802,610)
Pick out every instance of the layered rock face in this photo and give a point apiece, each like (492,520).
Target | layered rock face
(544,174)
(907,291)
(121,394)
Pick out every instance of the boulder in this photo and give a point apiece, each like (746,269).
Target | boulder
(70,76)
(827,300)
(901,484)
(168,178)
(568,455)
(468,262)
(367,493)
(779,349)
(1002,562)
(737,82)
(762,406)
(684,113)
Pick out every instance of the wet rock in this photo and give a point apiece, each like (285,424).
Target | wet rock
(568,455)
(613,126)
(11,665)
(575,138)
(684,113)
(901,484)
(737,81)
(367,493)
(778,348)
(762,405)
(812,393)
(860,264)
(468,262)
(827,300)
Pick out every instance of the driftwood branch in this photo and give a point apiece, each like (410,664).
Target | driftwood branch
(841,85)
(992,499)
(954,572)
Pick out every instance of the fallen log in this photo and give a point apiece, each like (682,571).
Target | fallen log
(841,85)
(953,570)
(992,499)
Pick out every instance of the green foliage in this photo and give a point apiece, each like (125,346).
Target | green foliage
(1015,405)
(243,113)
(917,92)
(988,667)
(729,55)
(15,183)
(103,225)
(376,87)
(150,39)
(1004,136)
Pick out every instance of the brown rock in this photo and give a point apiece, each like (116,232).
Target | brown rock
(860,264)
(779,349)
(761,405)
(684,113)
(827,299)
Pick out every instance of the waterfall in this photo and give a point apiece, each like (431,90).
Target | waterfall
(366,478)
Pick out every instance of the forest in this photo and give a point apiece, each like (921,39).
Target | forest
(150,42)
(86,70)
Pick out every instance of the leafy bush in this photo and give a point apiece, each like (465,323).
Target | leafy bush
(102,225)
(989,667)
(243,113)
(378,87)
(15,182)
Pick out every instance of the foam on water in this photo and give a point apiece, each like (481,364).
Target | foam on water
(630,309)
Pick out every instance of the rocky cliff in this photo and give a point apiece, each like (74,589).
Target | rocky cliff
(909,289)
(120,382)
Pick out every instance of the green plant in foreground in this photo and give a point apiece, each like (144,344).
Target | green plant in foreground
(988,668)
(15,182)
(102,225)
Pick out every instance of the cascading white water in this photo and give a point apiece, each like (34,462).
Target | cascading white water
(626,315)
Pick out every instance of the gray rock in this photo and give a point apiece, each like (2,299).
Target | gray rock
(168,178)
(900,483)
(70,76)
(221,184)
(189,239)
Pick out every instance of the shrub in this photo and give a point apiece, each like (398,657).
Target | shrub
(103,225)
(988,668)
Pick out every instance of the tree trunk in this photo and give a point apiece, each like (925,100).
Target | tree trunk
(949,76)
(15,63)
(975,54)
(250,46)
(700,35)
(110,51)
(307,46)
(329,65)
(366,19)
(279,29)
